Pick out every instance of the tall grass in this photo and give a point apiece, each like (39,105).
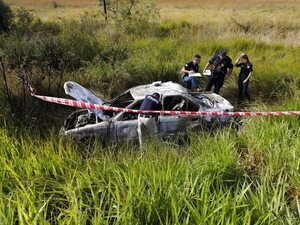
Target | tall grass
(250,176)
(223,177)
(276,73)
(103,55)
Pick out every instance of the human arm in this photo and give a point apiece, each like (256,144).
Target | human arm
(229,67)
(184,70)
(229,71)
(250,73)
(244,81)
(206,67)
(209,63)
(236,64)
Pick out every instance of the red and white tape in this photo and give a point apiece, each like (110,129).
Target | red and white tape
(85,105)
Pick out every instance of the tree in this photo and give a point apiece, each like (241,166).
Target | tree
(5,16)
(132,16)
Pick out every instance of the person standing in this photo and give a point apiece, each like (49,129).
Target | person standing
(190,68)
(221,67)
(245,73)
(147,121)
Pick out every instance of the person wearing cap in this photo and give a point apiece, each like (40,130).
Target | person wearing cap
(147,121)
(190,68)
(246,71)
(221,67)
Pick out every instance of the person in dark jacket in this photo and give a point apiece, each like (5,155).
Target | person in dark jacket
(190,68)
(147,122)
(245,73)
(221,67)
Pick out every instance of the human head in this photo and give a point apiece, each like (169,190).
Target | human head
(245,58)
(223,52)
(196,59)
(156,95)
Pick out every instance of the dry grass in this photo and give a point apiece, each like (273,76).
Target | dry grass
(197,10)
(267,20)
(55,9)
(41,3)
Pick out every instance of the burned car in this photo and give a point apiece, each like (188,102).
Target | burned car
(120,126)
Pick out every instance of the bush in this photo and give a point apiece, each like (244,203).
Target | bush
(79,47)
(22,22)
(5,16)
(134,17)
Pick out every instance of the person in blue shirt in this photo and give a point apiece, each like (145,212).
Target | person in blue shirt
(147,122)
(189,68)
(245,73)
(221,67)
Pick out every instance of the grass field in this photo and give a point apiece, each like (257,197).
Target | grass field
(269,20)
(251,177)
(246,177)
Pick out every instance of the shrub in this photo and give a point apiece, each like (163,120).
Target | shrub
(133,17)
(55,4)
(22,22)
(5,16)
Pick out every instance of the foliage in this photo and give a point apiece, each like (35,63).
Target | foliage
(223,177)
(49,53)
(133,17)
(24,24)
(35,50)
(5,16)
(250,177)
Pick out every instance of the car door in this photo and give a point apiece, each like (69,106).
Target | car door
(177,123)
(124,126)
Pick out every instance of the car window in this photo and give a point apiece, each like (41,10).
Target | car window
(122,100)
(79,118)
(176,102)
(131,116)
(191,106)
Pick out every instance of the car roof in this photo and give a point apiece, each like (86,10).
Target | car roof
(163,88)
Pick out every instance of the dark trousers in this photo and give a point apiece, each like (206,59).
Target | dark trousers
(243,90)
(215,81)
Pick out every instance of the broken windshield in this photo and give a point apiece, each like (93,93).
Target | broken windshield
(122,100)
(204,101)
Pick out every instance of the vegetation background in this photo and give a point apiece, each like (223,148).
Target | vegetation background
(223,177)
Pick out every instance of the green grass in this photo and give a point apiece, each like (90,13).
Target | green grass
(223,177)
(276,71)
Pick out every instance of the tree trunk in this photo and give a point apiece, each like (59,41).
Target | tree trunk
(24,94)
(5,84)
(105,9)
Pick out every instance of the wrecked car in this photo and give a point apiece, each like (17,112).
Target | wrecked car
(119,126)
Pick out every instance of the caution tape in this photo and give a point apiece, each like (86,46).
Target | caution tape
(86,105)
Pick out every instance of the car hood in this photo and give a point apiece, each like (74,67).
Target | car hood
(221,103)
(81,94)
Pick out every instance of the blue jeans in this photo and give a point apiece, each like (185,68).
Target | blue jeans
(243,90)
(191,82)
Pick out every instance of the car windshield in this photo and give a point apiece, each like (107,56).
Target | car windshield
(122,100)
